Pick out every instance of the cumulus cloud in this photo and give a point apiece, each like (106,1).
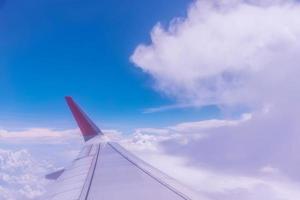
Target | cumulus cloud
(226,53)
(26,156)
(22,176)
(231,54)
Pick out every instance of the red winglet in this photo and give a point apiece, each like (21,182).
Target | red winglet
(87,127)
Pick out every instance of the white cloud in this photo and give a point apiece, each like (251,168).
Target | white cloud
(269,170)
(226,53)
(233,53)
(182,133)
(20,171)
(21,176)
(200,126)
(167,107)
(29,155)
(47,135)
(39,135)
(212,182)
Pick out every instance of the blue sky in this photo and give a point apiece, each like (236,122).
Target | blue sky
(49,49)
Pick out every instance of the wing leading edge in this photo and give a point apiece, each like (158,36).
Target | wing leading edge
(106,171)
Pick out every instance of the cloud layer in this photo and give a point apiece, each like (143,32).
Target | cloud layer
(26,156)
(39,135)
(214,159)
(186,151)
(21,176)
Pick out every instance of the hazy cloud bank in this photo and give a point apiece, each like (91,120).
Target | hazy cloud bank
(218,160)
(174,149)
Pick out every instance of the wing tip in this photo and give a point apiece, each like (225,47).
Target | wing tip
(69,98)
(86,125)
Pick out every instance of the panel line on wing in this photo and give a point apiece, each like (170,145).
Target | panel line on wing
(74,178)
(150,174)
(88,182)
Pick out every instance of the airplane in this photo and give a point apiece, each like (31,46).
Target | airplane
(104,170)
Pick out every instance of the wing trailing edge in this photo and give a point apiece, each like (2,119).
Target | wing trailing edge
(86,125)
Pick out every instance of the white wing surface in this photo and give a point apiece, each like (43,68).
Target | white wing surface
(104,170)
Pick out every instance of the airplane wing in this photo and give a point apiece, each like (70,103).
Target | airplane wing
(104,170)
